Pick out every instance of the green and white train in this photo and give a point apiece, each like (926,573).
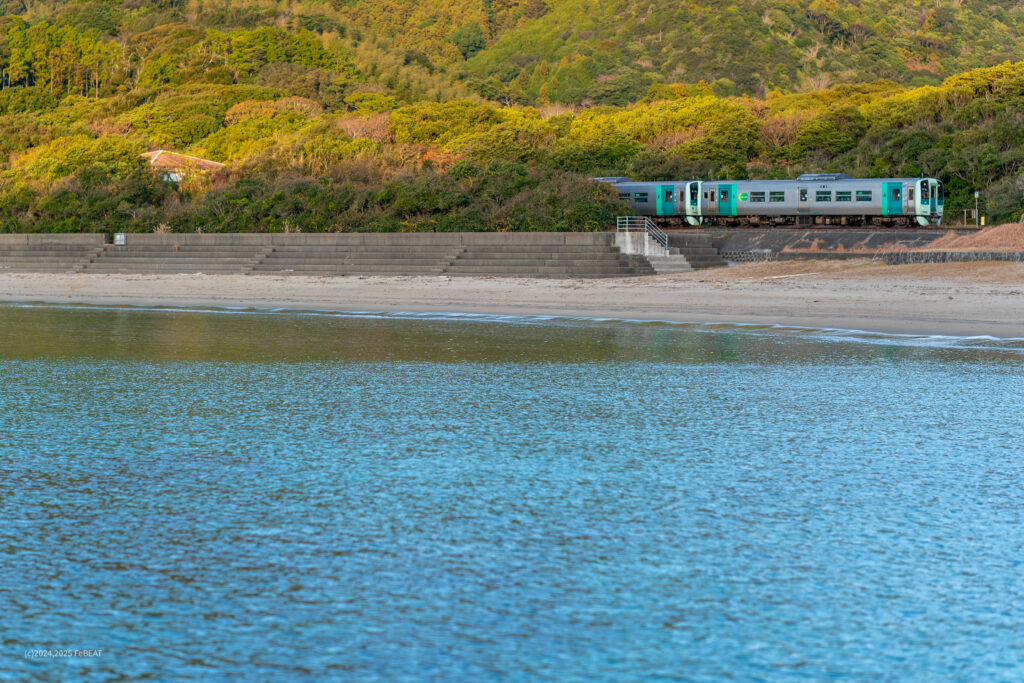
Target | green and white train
(811,199)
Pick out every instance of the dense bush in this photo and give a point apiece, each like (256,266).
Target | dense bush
(467,197)
(89,200)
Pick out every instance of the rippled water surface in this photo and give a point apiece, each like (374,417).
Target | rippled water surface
(273,496)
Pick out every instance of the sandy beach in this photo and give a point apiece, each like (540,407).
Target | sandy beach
(961,299)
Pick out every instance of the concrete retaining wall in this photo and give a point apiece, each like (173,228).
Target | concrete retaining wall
(749,255)
(747,244)
(908,257)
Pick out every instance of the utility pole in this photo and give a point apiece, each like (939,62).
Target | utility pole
(975,208)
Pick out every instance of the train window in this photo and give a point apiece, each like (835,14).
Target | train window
(803,194)
(705,195)
(757,196)
(910,194)
(895,194)
(693,193)
(724,195)
(668,195)
(823,196)
(844,196)
(711,196)
(641,198)
(776,196)
(924,191)
(623,195)
(938,193)
(863,195)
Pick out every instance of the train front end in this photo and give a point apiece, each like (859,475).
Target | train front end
(929,202)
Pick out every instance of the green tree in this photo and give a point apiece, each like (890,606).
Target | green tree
(469,39)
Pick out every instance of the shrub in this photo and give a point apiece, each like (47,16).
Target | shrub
(113,154)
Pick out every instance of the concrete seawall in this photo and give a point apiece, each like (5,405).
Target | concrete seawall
(566,254)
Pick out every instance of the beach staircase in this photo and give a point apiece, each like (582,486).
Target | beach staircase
(697,249)
(173,259)
(45,258)
(676,252)
(640,237)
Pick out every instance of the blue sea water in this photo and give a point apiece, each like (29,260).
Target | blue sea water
(282,496)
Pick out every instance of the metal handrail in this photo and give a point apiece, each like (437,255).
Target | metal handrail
(638,223)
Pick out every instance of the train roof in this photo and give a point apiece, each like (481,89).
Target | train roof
(806,178)
(820,179)
(812,177)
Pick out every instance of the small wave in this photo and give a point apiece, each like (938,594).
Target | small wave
(827,334)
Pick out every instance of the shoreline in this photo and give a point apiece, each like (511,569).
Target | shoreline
(952,299)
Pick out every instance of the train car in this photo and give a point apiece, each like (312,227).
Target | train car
(672,201)
(811,199)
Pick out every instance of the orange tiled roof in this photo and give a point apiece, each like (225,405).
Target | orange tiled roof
(175,160)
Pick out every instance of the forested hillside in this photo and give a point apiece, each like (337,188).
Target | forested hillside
(610,51)
(573,51)
(484,115)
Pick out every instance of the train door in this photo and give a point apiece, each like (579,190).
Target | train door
(892,201)
(803,204)
(726,200)
(712,195)
(693,203)
(665,203)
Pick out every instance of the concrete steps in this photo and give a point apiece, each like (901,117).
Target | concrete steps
(173,258)
(548,255)
(537,252)
(546,261)
(355,259)
(160,269)
(121,254)
(44,258)
(346,269)
(30,254)
(674,263)
(698,250)
(567,271)
(346,261)
(530,263)
(344,255)
(23,268)
(143,260)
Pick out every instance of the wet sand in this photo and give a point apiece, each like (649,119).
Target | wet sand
(959,299)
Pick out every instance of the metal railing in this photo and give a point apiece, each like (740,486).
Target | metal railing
(645,224)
